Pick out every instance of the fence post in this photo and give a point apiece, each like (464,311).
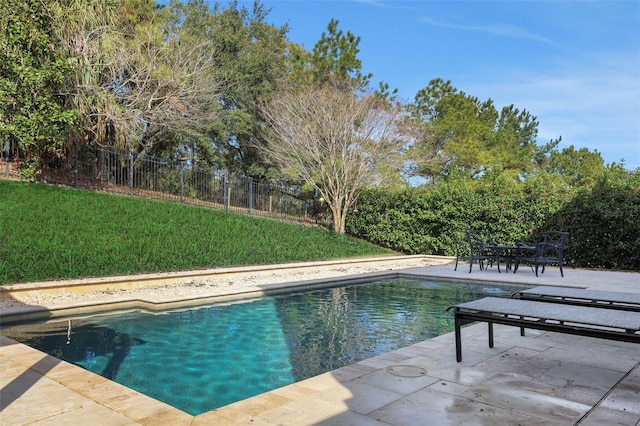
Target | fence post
(7,148)
(181,181)
(100,171)
(75,151)
(225,189)
(130,172)
(250,203)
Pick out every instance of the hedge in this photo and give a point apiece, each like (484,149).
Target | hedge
(603,221)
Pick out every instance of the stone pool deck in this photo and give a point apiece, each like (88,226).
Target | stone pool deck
(542,378)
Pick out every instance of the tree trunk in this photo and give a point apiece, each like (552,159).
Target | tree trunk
(338,219)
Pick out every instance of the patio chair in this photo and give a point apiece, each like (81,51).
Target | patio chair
(548,251)
(481,248)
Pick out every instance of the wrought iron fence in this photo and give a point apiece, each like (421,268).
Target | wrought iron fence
(117,171)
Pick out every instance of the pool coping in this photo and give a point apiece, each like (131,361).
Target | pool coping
(160,302)
(167,304)
(144,280)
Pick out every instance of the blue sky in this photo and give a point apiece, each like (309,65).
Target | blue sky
(573,64)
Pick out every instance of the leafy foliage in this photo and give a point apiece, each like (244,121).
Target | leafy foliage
(335,59)
(146,78)
(603,221)
(32,74)
(462,134)
(578,167)
(252,59)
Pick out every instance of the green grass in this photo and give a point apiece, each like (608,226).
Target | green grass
(49,232)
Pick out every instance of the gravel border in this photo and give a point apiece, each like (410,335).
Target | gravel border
(204,287)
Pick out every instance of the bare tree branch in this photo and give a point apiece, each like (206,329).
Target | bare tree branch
(335,141)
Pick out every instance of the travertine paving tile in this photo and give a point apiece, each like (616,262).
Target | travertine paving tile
(625,397)
(213,418)
(462,375)
(438,409)
(383,379)
(555,410)
(594,359)
(518,361)
(305,411)
(522,381)
(261,403)
(423,361)
(91,384)
(10,370)
(449,388)
(309,406)
(347,418)
(359,397)
(606,416)
(385,360)
(284,415)
(167,416)
(496,416)
(137,406)
(321,382)
(586,374)
(65,373)
(295,391)
(36,398)
(541,378)
(583,393)
(434,344)
(352,371)
(91,414)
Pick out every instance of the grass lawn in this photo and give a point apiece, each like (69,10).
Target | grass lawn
(51,232)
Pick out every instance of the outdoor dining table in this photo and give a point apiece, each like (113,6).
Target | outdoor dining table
(510,252)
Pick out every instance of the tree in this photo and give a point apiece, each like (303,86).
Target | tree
(454,129)
(333,60)
(462,134)
(252,58)
(514,145)
(577,167)
(32,74)
(146,78)
(334,140)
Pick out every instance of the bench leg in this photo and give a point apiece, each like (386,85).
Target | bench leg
(458,339)
(490,324)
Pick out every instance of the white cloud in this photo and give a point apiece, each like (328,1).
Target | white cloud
(596,106)
(500,29)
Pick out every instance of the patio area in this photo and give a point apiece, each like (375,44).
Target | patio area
(538,379)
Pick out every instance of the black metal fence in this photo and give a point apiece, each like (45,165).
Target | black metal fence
(117,171)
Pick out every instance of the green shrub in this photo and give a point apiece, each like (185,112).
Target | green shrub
(603,221)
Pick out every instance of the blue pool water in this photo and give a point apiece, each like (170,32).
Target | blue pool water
(200,359)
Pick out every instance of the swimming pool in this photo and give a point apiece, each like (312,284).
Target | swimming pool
(203,358)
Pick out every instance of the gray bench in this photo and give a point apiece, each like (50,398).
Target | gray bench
(612,324)
(577,296)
